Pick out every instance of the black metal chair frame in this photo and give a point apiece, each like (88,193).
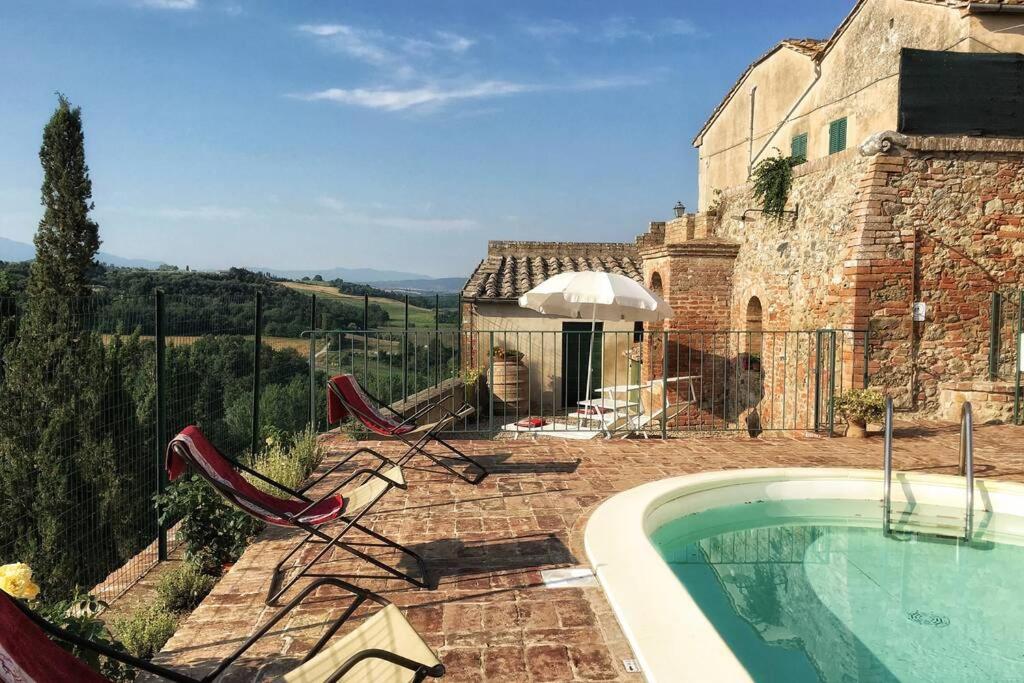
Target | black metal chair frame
(313,531)
(420,671)
(419,446)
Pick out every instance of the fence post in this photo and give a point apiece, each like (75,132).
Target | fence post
(161,417)
(405,351)
(1019,343)
(437,340)
(366,312)
(817,381)
(832,385)
(993,337)
(257,345)
(867,354)
(312,363)
(664,384)
(490,381)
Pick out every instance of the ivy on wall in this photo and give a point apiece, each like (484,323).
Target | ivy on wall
(773,180)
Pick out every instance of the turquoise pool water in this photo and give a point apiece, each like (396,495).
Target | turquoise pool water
(813,591)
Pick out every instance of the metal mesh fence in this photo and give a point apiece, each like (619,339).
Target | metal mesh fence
(92,390)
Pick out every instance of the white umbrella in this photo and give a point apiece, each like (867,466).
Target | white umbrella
(599,296)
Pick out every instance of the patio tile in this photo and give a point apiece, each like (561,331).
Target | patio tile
(491,618)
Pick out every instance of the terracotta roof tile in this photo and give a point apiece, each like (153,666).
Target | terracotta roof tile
(513,268)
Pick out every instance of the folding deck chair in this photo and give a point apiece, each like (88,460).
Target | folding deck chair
(385,648)
(345,397)
(299,511)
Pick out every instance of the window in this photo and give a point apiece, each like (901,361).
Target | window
(837,136)
(798,148)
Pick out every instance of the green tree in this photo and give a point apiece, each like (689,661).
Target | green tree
(58,477)
(67,239)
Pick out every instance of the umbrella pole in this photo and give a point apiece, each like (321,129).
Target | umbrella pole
(590,357)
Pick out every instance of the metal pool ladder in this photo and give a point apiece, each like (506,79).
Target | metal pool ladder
(966,467)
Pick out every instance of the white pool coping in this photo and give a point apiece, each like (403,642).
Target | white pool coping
(670,636)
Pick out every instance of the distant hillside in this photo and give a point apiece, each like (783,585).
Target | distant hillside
(367,275)
(442,285)
(13,251)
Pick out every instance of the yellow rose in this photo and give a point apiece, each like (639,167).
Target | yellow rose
(16,581)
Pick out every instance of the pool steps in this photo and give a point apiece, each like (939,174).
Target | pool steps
(962,528)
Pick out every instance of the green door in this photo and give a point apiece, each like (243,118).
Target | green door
(575,350)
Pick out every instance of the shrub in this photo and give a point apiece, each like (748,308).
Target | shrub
(145,629)
(214,532)
(80,616)
(183,588)
(288,460)
(861,405)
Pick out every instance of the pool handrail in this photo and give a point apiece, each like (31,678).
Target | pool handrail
(967,464)
(887,466)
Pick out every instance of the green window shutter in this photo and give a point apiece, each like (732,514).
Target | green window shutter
(837,136)
(798,147)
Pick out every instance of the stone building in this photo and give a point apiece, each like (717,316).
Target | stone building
(555,351)
(907,195)
(872,229)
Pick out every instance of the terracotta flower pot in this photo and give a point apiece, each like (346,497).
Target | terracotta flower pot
(856,429)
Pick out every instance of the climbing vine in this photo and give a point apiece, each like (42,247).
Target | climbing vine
(773,179)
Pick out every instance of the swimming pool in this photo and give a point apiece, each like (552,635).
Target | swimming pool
(786,575)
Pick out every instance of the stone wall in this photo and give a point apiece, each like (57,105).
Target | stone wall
(955,207)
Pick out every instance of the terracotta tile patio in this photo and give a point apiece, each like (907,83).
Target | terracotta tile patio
(491,618)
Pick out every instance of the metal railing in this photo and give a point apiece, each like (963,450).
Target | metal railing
(967,465)
(644,382)
(887,467)
(966,468)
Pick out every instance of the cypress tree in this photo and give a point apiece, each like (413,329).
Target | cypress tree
(58,479)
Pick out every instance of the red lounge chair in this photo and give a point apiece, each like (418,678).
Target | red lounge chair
(385,647)
(345,397)
(300,511)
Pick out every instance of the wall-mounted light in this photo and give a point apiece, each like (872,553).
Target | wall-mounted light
(679,210)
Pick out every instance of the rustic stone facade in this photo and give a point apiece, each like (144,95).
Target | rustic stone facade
(871,232)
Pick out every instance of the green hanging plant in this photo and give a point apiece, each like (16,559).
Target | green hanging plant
(773,179)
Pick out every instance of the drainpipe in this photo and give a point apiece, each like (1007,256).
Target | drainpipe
(750,140)
(989,8)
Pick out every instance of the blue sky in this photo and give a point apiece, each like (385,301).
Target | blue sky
(375,133)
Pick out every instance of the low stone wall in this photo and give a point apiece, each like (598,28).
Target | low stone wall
(990,401)
(449,395)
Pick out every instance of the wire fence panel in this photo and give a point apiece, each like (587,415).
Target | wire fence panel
(93,390)
(610,382)
(77,440)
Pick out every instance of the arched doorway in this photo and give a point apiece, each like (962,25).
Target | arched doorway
(656,285)
(754,322)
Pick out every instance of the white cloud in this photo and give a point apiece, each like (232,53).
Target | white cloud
(396,99)
(171,4)
(404,223)
(386,51)
(613,29)
(551,28)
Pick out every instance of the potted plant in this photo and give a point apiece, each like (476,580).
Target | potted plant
(858,407)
